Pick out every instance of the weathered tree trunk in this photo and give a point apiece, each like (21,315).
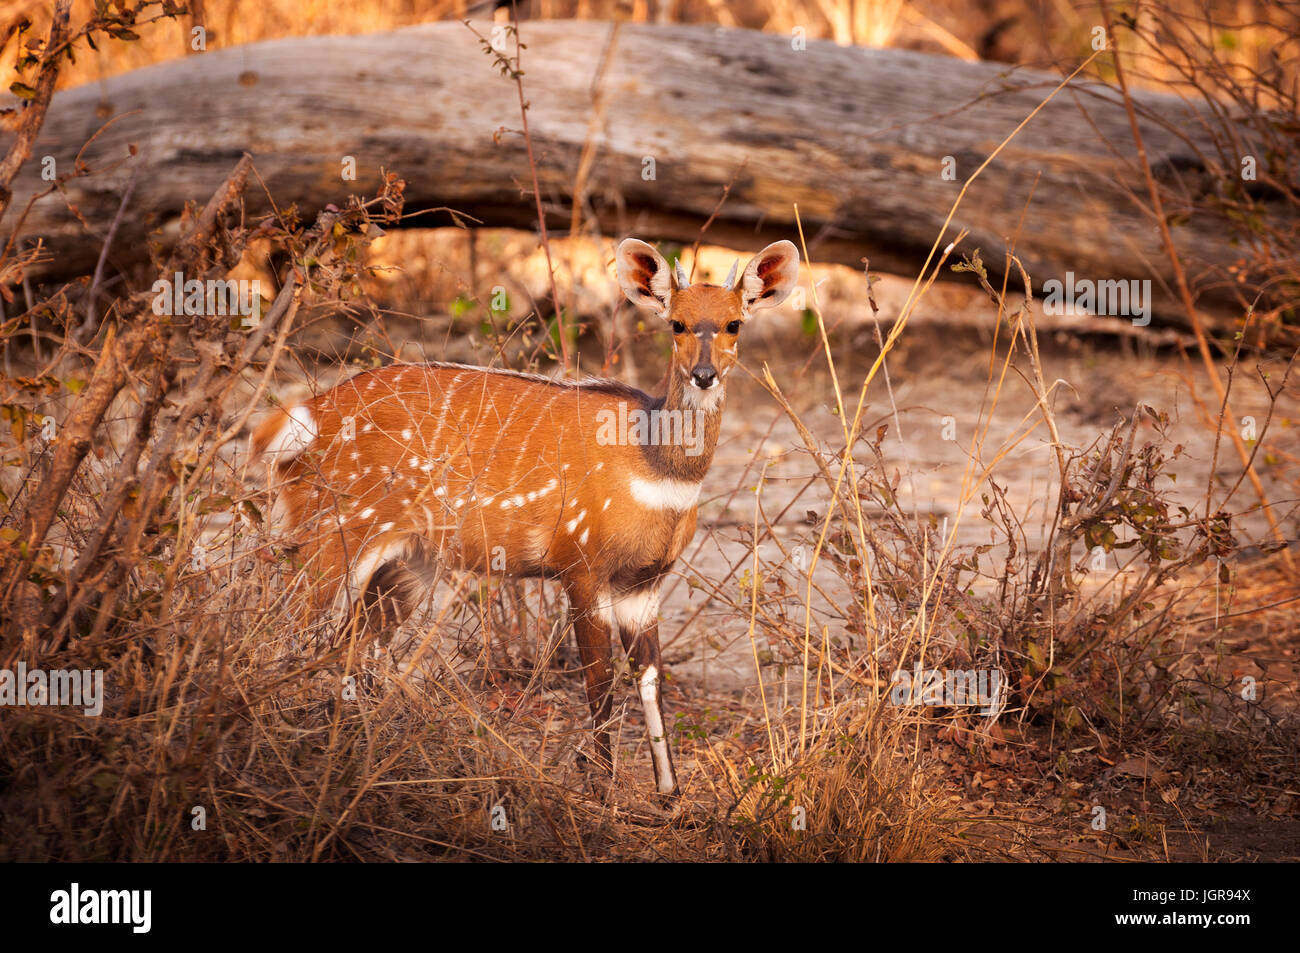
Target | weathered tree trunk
(857,137)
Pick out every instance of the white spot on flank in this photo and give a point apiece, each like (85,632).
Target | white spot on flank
(368,512)
(294,436)
(519,501)
(573,523)
(385,527)
(665,494)
(582,540)
(406,434)
(367,428)
(606,506)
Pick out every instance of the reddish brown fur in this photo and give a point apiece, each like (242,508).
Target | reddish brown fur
(501,437)
(494,471)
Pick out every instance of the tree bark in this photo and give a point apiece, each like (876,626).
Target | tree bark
(859,138)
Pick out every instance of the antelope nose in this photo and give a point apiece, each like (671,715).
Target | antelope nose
(704,377)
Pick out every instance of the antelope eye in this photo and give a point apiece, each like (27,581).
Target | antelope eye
(733,327)
(678,327)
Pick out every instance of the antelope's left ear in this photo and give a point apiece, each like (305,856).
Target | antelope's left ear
(770,276)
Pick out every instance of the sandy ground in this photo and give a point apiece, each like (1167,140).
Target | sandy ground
(928,387)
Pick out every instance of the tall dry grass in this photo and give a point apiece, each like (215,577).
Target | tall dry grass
(457,741)
(134,542)
(222,697)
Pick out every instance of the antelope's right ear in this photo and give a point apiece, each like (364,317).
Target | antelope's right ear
(643,275)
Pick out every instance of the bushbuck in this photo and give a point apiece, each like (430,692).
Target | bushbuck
(404,469)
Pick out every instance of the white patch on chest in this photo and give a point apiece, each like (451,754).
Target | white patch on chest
(665,494)
(634,611)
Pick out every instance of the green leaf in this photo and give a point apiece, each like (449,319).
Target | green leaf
(460,305)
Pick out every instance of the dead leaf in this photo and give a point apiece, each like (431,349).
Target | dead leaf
(1144,767)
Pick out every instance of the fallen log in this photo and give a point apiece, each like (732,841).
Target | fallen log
(859,138)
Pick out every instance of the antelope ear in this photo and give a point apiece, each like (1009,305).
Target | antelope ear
(769,277)
(643,275)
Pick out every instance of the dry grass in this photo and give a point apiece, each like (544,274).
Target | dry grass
(135,544)
(221,698)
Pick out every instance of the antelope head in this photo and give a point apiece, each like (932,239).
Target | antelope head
(705,319)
